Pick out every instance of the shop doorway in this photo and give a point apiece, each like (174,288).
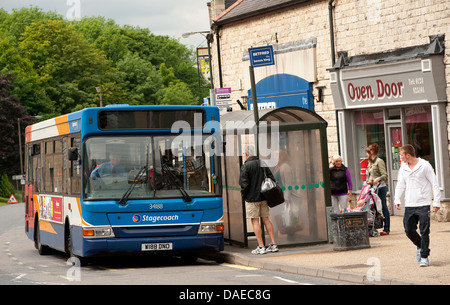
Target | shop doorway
(393,144)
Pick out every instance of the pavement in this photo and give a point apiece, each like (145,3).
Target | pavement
(390,260)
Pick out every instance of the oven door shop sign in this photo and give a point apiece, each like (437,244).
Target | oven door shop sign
(380,91)
(261,56)
(387,89)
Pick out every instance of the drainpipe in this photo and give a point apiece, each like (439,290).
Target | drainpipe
(333,61)
(219,60)
(330,16)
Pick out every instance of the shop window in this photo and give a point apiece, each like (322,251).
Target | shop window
(419,131)
(369,129)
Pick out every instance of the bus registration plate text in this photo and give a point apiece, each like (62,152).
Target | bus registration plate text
(156,246)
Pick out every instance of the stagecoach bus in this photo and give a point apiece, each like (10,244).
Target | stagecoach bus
(125,179)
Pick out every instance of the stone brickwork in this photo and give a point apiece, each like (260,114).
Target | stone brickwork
(361,27)
(305,22)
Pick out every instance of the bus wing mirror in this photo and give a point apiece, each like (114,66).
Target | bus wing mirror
(73,153)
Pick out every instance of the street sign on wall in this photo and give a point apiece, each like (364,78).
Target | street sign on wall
(223,98)
(261,56)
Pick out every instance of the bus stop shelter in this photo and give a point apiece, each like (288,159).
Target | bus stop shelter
(293,143)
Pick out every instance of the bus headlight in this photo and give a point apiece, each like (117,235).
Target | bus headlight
(97,232)
(216,227)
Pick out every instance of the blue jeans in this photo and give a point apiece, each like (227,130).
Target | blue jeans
(382,191)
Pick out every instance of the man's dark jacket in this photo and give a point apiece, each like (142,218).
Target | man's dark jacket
(251,178)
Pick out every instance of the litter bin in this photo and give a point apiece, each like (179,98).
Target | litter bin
(349,231)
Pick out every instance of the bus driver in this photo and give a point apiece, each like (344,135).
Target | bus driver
(108,168)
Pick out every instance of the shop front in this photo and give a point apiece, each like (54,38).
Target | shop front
(393,99)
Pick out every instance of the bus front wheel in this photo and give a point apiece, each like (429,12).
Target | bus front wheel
(75,259)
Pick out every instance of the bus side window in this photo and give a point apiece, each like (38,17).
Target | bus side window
(75,170)
(36,167)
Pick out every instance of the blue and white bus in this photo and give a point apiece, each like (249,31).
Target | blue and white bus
(125,179)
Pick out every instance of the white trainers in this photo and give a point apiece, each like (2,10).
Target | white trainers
(418,255)
(259,250)
(424,262)
(272,248)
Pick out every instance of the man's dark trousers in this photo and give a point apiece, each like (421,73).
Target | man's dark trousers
(413,216)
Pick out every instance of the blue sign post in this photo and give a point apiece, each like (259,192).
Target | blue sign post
(261,56)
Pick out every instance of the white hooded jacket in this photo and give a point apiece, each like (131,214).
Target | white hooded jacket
(419,185)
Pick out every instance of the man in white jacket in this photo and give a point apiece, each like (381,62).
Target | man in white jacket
(416,178)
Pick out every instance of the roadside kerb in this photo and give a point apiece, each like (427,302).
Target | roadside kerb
(327,273)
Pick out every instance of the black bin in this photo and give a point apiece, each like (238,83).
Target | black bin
(349,231)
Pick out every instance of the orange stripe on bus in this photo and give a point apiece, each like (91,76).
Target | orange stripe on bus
(81,214)
(46,226)
(62,124)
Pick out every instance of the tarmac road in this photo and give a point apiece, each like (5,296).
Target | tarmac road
(20,264)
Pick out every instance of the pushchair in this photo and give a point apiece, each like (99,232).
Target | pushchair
(372,204)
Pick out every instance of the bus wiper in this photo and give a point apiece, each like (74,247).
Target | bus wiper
(130,189)
(171,181)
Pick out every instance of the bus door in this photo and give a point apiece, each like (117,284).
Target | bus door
(33,163)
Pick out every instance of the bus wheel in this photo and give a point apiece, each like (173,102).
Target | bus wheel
(42,249)
(74,259)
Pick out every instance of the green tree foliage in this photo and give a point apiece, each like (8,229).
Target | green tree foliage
(50,66)
(6,188)
(58,64)
(69,72)
(145,53)
(11,113)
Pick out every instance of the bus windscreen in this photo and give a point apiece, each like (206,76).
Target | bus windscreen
(136,167)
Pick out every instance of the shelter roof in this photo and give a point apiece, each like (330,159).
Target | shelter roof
(285,115)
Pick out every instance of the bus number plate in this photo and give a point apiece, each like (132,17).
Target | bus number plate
(156,246)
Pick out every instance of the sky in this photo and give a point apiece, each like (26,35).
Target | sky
(162,17)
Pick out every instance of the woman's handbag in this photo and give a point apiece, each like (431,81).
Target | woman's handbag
(271,191)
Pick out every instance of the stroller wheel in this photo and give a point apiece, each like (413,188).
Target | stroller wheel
(373,233)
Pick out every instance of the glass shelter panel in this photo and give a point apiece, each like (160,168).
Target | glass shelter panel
(233,212)
(292,142)
(302,218)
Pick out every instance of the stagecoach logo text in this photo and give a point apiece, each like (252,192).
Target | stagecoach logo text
(146,218)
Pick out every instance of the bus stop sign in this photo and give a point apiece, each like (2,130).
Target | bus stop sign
(261,56)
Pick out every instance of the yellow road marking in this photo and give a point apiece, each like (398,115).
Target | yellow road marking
(239,266)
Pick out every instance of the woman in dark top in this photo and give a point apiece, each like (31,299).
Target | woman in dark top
(341,184)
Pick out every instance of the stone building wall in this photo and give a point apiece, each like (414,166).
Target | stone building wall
(360,27)
(371,26)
